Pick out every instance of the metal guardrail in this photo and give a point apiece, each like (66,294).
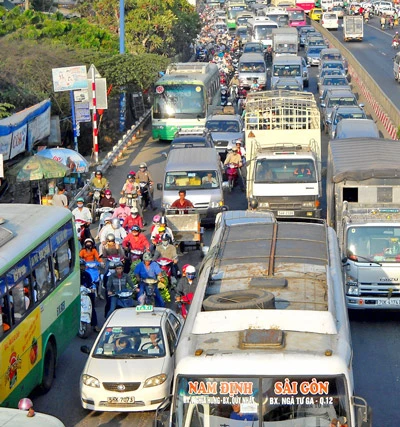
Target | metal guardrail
(386,112)
(113,155)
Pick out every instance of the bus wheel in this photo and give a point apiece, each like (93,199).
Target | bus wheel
(236,300)
(49,368)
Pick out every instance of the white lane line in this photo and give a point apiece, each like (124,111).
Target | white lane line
(383,53)
(371,44)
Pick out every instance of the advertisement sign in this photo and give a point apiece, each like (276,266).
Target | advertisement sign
(18,141)
(69,78)
(38,128)
(5,143)
(81,102)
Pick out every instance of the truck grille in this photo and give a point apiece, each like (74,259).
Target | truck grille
(378,290)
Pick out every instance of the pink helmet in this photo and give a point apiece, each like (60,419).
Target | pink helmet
(25,404)
(156,219)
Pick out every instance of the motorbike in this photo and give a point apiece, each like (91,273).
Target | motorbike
(166,266)
(124,299)
(148,297)
(224,96)
(93,269)
(232,171)
(131,199)
(103,214)
(233,93)
(182,305)
(145,191)
(97,193)
(395,44)
(86,312)
(82,230)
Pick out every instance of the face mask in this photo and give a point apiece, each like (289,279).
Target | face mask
(122,205)
(164,243)
(80,205)
(108,196)
(88,246)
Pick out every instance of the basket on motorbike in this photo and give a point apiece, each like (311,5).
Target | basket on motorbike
(185,225)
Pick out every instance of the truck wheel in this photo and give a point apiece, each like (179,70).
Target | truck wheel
(49,368)
(239,300)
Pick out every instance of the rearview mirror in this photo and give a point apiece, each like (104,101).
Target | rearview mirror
(159,187)
(164,154)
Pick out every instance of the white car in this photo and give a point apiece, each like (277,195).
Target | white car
(330,20)
(131,365)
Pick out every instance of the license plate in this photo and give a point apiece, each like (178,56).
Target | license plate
(285,213)
(117,400)
(392,301)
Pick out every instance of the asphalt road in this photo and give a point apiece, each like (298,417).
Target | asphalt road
(375,53)
(376,336)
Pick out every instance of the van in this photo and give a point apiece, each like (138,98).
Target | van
(326,5)
(188,169)
(396,67)
(289,66)
(356,128)
(18,418)
(252,66)
(330,20)
(259,29)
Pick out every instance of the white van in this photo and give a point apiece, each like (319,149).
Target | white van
(289,66)
(18,418)
(330,20)
(259,29)
(252,66)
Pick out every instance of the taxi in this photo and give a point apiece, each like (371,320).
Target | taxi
(131,365)
(315,14)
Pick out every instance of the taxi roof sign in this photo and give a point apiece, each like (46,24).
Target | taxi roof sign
(144,308)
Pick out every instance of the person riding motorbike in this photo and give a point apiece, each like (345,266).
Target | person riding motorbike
(86,281)
(99,182)
(186,288)
(235,158)
(396,37)
(255,86)
(143,175)
(148,269)
(122,211)
(83,219)
(135,240)
(107,201)
(166,250)
(89,252)
(120,282)
(112,248)
(133,219)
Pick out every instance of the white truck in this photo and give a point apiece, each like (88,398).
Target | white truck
(267,340)
(353,27)
(363,206)
(285,41)
(283,153)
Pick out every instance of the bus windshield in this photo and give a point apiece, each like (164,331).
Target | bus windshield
(254,67)
(286,70)
(234,10)
(281,19)
(261,402)
(369,243)
(296,15)
(193,180)
(262,31)
(179,101)
(284,171)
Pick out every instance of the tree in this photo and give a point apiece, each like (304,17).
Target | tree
(5,110)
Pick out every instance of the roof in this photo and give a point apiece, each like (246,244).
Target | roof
(287,59)
(251,56)
(359,128)
(191,158)
(131,317)
(358,159)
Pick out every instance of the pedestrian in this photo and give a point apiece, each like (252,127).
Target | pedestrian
(60,199)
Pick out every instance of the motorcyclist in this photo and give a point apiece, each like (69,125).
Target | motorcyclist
(186,287)
(107,201)
(120,282)
(159,230)
(89,252)
(136,240)
(143,175)
(86,281)
(112,248)
(98,181)
(83,218)
(156,222)
(396,37)
(130,186)
(122,211)
(133,219)
(166,250)
(235,80)
(235,158)
(148,269)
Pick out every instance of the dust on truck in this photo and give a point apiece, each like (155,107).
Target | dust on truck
(283,153)
(363,206)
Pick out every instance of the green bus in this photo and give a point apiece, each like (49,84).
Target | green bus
(183,98)
(232,9)
(39,296)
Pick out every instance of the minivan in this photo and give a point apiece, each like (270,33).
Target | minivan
(252,66)
(356,128)
(289,66)
(189,169)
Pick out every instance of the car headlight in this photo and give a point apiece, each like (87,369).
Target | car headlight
(263,205)
(154,381)
(217,204)
(308,204)
(352,288)
(90,381)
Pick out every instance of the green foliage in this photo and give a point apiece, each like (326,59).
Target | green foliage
(5,110)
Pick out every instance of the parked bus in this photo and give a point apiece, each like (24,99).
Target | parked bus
(39,296)
(183,97)
(297,16)
(306,5)
(267,339)
(232,9)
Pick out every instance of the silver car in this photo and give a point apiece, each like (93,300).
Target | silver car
(287,83)
(340,82)
(340,113)
(328,72)
(225,130)
(313,55)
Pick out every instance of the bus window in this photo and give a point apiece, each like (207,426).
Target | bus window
(62,261)
(43,279)
(18,300)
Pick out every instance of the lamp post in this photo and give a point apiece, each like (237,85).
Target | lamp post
(122,97)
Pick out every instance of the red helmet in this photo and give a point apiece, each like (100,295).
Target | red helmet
(184,269)
(107,192)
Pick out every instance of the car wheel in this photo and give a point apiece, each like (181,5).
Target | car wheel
(237,300)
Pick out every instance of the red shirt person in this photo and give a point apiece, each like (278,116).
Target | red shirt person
(136,240)
(182,203)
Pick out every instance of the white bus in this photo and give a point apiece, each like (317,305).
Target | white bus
(259,29)
(267,341)
(183,97)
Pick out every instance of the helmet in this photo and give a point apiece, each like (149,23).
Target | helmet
(143,165)
(184,269)
(166,238)
(147,256)
(80,199)
(163,220)
(238,142)
(190,272)
(88,240)
(156,219)
(234,148)
(107,192)
(99,172)
(25,404)
(110,237)
(136,228)
(115,223)
(122,201)
(161,229)
(131,175)
(134,210)
(107,217)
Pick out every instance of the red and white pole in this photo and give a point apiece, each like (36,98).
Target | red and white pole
(94,119)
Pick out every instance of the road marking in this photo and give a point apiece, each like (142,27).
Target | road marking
(383,53)
(371,44)
(382,31)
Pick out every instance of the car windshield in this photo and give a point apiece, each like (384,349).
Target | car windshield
(331,65)
(355,115)
(284,171)
(331,72)
(380,244)
(332,56)
(316,42)
(286,70)
(341,101)
(253,67)
(334,81)
(223,126)
(121,342)
(193,180)
(314,51)
(330,16)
